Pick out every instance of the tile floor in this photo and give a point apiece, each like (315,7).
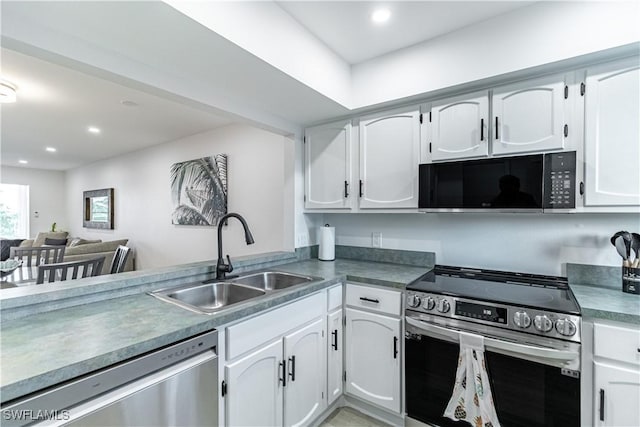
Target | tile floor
(347,417)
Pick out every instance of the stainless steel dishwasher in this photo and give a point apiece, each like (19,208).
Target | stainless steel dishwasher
(173,386)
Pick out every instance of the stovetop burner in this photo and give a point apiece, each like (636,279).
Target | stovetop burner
(525,290)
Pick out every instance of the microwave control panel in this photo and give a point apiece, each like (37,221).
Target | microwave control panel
(560,180)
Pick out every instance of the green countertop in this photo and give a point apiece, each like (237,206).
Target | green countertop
(48,348)
(599,302)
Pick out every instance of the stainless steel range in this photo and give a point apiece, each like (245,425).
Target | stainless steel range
(531,326)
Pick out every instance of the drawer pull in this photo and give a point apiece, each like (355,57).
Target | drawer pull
(601,405)
(370,300)
(292,368)
(283,378)
(334,344)
(395,347)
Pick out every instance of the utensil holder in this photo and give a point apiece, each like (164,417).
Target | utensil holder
(631,280)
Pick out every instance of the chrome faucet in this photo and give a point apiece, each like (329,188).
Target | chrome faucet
(221,268)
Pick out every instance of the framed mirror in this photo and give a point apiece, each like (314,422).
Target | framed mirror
(98,209)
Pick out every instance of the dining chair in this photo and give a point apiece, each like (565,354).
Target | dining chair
(36,255)
(60,271)
(119,259)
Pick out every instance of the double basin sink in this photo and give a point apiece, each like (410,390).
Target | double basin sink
(211,296)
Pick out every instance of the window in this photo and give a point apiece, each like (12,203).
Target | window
(14,211)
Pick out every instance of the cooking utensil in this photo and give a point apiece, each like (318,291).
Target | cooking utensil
(621,247)
(615,236)
(635,245)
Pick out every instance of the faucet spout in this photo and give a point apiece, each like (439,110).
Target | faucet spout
(221,267)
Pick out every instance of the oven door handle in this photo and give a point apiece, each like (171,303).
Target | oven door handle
(497,344)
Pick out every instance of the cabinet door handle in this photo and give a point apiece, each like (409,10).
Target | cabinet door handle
(283,378)
(346,189)
(601,404)
(292,368)
(370,300)
(481,129)
(395,347)
(360,188)
(334,335)
(496,127)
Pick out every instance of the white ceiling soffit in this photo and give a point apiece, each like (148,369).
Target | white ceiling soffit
(153,44)
(56,106)
(346,26)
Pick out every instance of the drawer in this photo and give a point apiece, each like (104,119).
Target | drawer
(375,299)
(616,343)
(334,298)
(253,332)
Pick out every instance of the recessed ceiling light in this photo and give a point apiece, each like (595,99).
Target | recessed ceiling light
(23,162)
(128,103)
(381,15)
(51,149)
(7,92)
(93,129)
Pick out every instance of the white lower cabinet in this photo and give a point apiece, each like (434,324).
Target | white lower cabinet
(616,374)
(334,356)
(373,358)
(254,389)
(617,395)
(305,383)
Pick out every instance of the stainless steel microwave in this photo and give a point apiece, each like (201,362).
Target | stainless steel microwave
(510,184)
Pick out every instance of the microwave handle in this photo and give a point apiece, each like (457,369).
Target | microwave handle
(497,344)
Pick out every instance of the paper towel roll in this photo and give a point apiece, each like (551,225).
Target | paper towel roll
(327,239)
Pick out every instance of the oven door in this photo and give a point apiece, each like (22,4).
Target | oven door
(533,385)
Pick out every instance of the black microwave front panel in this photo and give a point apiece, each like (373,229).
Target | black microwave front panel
(498,183)
(560,180)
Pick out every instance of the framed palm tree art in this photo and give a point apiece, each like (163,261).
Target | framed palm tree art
(199,190)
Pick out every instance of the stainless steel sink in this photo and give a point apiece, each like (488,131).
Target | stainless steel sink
(273,280)
(208,297)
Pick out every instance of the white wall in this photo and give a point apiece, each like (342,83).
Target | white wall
(47,196)
(533,243)
(535,35)
(270,33)
(258,190)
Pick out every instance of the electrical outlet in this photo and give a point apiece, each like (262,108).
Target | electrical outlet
(376,239)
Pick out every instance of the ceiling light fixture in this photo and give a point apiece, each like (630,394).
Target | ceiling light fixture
(93,129)
(51,149)
(380,16)
(7,92)
(23,162)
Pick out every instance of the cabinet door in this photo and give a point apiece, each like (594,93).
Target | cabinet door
(306,377)
(254,390)
(373,358)
(328,166)
(529,116)
(617,393)
(389,157)
(334,356)
(460,127)
(612,134)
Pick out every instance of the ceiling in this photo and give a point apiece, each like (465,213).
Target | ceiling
(346,28)
(56,105)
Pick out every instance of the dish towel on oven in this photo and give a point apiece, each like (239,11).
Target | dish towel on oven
(471,400)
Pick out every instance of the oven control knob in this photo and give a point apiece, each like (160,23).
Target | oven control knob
(522,319)
(542,323)
(428,303)
(565,327)
(443,306)
(413,301)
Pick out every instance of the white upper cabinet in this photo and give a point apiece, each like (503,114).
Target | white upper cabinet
(460,127)
(529,116)
(328,166)
(389,157)
(612,134)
